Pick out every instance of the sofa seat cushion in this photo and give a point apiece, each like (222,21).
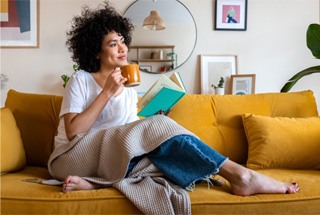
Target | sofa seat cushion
(218,200)
(22,197)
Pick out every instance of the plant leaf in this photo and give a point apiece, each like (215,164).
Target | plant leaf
(313,39)
(299,75)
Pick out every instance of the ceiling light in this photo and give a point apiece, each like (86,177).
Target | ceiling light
(154,21)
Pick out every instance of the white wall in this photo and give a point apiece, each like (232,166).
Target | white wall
(273,47)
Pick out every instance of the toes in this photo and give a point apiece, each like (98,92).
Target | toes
(65,188)
(293,188)
(296,186)
(68,179)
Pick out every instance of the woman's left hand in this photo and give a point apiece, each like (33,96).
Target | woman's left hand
(162,112)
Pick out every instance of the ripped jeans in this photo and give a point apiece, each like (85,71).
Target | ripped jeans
(184,160)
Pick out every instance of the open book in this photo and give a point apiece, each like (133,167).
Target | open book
(162,95)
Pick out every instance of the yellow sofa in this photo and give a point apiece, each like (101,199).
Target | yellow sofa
(275,133)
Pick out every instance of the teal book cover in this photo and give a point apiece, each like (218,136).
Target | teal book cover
(165,99)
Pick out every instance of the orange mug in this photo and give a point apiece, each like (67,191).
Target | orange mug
(132,73)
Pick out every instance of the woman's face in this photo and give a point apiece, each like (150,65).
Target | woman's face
(113,51)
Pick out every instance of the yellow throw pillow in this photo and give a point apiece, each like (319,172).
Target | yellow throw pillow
(282,142)
(13,156)
(37,117)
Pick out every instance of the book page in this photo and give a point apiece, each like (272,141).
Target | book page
(176,78)
(163,81)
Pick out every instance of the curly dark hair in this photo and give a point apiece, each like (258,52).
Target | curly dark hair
(84,40)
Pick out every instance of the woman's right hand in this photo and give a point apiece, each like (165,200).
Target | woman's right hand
(114,82)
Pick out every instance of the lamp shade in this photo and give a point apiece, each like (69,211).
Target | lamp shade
(154,21)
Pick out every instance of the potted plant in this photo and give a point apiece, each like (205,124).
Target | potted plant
(173,57)
(313,43)
(65,78)
(219,89)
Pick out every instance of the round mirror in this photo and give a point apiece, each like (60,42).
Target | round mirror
(158,50)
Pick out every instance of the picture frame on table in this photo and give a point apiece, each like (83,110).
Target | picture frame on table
(243,84)
(20,24)
(213,67)
(231,15)
(146,68)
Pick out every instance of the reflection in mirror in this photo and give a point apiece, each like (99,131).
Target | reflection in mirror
(158,51)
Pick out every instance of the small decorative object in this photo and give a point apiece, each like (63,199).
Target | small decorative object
(154,55)
(231,15)
(173,57)
(243,84)
(3,79)
(219,89)
(161,55)
(146,68)
(163,69)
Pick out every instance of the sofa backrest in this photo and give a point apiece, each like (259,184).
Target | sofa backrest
(37,117)
(217,120)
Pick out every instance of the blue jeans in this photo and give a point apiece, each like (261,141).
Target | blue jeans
(184,160)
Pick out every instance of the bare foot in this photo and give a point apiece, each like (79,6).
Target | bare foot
(72,183)
(253,183)
(245,182)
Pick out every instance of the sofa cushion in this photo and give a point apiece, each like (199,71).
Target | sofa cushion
(37,117)
(13,156)
(282,142)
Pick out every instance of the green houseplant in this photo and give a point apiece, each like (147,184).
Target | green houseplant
(220,84)
(65,78)
(219,89)
(313,43)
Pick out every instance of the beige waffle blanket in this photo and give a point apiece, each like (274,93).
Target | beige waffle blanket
(103,157)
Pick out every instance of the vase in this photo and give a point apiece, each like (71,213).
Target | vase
(219,91)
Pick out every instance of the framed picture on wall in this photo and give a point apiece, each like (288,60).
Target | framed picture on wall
(243,84)
(213,67)
(231,15)
(19,24)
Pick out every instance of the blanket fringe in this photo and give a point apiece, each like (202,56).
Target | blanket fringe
(211,182)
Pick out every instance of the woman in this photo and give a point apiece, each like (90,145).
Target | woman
(230,15)
(96,99)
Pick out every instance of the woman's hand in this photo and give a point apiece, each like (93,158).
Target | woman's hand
(161,112)
(114,82)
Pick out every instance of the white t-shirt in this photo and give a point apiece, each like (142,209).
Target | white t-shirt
(81,91)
